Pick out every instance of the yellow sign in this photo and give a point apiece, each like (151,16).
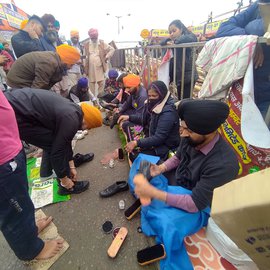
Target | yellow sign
(145,33)
(159,33)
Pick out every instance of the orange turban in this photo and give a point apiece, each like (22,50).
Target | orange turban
(91,115)
(74,33)
(23,24)
(68,54)
(131,80)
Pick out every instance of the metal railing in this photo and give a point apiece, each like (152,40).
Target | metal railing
(146,61)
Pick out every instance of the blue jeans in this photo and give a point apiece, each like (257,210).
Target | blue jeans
(17,212)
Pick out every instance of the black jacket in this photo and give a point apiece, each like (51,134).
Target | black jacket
(48,121)
(22,43)
(187,38)
(163,124)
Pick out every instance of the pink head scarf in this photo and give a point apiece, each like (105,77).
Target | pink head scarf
(93,33)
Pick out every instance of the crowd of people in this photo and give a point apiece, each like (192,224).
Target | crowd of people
(49,86)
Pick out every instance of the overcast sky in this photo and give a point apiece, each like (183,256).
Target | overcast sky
(145,14)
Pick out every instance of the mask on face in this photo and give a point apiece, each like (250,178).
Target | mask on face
(152,103)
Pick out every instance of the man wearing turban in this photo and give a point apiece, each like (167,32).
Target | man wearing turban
(97,54)
(50,122)
(42,69)
(203,162)
(79,92)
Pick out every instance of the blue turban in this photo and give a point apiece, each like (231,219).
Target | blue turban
(113,73)
(82,83)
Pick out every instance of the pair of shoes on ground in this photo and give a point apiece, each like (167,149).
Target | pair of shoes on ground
(80,134)
(79,159)
(117,187)
(79,187)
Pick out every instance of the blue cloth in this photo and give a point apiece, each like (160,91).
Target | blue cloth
(17,213)
(168,224)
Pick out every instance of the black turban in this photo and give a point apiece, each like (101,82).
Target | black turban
(203,116)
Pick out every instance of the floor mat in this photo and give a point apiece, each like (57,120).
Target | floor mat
(48,233)
(203,255)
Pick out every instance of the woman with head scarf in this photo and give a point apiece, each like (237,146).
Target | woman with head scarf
(180,34)
(160,124)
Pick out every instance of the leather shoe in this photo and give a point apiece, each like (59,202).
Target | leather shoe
(145,169)
(114,120)
(79,187)
(79,159)
(114,188)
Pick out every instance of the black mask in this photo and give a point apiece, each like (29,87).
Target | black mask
(152,103)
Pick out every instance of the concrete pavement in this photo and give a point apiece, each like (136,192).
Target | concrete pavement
(79,220)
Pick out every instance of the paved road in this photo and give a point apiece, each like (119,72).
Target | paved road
(79,220)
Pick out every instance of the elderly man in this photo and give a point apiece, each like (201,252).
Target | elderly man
(42,69)
(97,54)
(50,122)
(75,73)
(27,39)
(203,162)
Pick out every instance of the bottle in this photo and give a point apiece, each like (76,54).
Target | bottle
(121,204)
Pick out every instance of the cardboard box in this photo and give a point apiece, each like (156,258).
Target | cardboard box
(241,209)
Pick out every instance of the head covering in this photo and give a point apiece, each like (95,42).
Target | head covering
(160,87)
(83,82)
(93,33)
(56,24)
(91,115)
(23,24)
(112,73)
(68,54)
(203,116)
(74,33)
(48,18)
(131,80)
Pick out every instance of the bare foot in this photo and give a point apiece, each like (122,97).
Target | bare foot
(43,223)
(50,249)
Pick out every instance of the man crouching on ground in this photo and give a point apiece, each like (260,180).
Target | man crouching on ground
(50,122)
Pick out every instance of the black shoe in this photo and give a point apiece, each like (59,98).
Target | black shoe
(79,187)
(79,159)
(114,120)
(145,169)
(114,188)
(106,121)
(106,106)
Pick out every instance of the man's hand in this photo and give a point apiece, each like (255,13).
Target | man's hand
(32,33)
(123,118)
(3,59)
(66,182)
(258,56)
(157,169)
(130,146)
(73,174)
